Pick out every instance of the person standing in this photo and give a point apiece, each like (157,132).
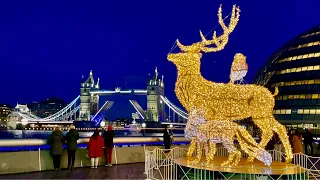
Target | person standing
(307,141)
(72,145)
(95,147)
(297,142)
(108,144)
(56,141)
(167,139)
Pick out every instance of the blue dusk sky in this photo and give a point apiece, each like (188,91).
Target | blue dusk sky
(46,46)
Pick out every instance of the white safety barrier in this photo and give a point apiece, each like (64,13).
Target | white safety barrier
(160,164)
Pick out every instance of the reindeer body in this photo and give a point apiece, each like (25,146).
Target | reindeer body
(222,101)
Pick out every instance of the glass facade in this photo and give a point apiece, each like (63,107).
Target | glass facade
(295,70)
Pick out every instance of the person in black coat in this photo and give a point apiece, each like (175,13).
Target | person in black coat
(108,144)
(72,145)
(56,141)
(167,139)
(308,141)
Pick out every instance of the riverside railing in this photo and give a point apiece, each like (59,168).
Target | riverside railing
(28,155)
(8,145)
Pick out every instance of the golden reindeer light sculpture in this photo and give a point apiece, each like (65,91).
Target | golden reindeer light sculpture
(224,102)
(209,133)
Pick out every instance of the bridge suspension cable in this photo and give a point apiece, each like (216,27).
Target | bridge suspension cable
(64,113)
(175,109)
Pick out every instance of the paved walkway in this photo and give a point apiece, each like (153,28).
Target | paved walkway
(124,171)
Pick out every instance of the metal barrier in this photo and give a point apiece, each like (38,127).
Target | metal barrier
(35,144)
(161,165)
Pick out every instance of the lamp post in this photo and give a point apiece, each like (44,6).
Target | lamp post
(143,126)
(102,124)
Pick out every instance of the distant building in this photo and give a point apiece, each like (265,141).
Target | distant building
(47,107)
(295,70)
(5,110)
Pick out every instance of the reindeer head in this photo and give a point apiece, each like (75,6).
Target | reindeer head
(190,55)
(195,119)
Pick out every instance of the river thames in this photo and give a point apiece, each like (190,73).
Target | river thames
(31,134)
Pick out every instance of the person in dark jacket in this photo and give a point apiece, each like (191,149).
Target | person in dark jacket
(72,145)
(167,139)
(307,141)
(56,141)
(108,144)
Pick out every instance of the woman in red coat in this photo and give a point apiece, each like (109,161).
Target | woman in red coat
(95,148)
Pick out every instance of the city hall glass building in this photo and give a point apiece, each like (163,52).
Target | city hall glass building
(295,70)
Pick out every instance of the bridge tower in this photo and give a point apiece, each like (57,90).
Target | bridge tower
(89,104)
(155,107)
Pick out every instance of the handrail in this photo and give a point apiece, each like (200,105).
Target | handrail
(117,140)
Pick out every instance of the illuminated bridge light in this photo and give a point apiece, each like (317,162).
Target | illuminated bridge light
(295,70)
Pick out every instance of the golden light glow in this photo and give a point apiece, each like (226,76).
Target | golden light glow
(224,102)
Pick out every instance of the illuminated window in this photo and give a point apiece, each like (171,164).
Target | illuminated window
(311,82)
(315,96)
(288,111)
(317,111)
(300,111)
(311,34)
(312,111)
(306,111)
(304,56)
(306,45)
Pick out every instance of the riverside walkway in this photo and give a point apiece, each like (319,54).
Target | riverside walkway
(123,171)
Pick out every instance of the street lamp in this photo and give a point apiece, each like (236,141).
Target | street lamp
(171,126)
(102,124)
(143,126)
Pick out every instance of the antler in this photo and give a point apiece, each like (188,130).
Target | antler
(220,41)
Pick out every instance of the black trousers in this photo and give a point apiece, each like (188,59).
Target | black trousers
(306,148)
(71,158)
(56,161)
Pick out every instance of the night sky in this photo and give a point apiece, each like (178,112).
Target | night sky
(46,46)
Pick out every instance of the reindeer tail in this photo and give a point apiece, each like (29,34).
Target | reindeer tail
(276,91)
(250,146)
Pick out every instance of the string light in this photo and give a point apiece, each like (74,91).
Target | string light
(224,102)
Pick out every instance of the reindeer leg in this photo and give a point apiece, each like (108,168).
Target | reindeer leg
(228,144)
(266,133)
(192,148)
(212,152)
(199,153)
(282,132)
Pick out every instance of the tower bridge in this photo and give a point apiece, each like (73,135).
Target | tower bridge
(159,108)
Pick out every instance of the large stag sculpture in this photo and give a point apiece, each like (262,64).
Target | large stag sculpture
(224,102)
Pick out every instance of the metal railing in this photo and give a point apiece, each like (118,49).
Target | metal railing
(161,165)
(35,144)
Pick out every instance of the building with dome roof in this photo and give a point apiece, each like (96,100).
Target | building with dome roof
(295,70)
